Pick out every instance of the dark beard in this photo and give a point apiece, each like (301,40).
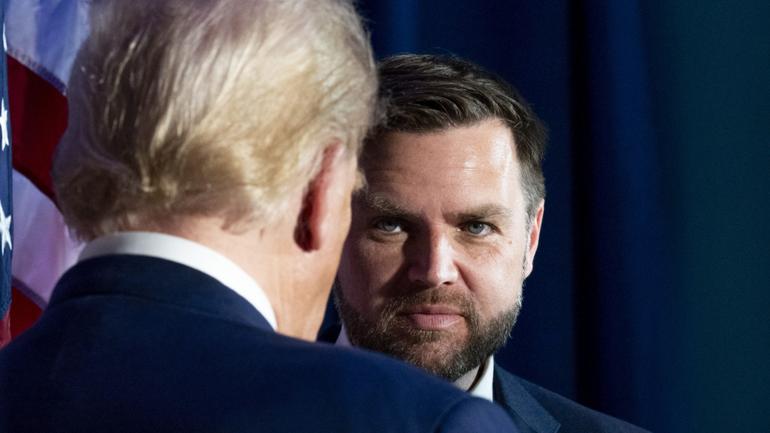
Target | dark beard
(394,335)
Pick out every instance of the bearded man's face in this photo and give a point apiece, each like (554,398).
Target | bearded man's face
(439,247)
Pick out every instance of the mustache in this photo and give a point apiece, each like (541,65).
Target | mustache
(402,303)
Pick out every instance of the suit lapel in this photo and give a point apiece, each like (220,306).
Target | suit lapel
(527,413)
(156,280)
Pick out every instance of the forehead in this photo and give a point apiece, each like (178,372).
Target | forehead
(455,167)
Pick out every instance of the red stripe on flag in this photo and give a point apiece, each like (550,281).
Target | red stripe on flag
(38,120)
(5,329)
(23,313)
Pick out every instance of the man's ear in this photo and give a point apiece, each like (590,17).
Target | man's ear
(533,238)
(317,212)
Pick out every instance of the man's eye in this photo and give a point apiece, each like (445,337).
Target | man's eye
(478,228)
(388,226)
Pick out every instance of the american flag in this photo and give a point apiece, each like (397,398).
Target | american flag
(42,39)
(6,199)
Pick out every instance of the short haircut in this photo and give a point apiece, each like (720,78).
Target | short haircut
(428,93)
(208,108)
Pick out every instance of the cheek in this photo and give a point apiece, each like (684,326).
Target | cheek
(493,274)
(367,270)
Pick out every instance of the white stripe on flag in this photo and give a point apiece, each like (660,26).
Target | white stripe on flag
(43,248)
(45,35)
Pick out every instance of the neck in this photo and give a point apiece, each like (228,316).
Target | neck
(272,264)
(299,308)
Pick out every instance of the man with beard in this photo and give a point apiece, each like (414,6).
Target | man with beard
(446,231)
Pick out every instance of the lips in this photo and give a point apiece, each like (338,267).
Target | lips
(433,317)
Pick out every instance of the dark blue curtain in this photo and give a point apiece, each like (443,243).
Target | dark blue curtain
(650,295)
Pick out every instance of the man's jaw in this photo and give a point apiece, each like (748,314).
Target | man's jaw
(393,328)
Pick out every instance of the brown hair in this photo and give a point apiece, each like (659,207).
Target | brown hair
(426,93)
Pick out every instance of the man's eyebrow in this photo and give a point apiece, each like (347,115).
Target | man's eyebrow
(486,211)
(380,204)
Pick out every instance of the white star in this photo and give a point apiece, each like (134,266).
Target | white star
(4,124)
(5,230)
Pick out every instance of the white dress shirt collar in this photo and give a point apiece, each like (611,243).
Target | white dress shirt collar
(188,253)
(483,388)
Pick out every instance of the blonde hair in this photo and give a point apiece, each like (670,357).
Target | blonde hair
(208,108)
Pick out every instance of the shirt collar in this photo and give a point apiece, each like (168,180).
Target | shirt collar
(483,388)
(342,338)
(188,253)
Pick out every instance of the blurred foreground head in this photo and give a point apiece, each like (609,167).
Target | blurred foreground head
(216,108)
(232,123)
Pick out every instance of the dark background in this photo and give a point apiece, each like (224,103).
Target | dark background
(650,298)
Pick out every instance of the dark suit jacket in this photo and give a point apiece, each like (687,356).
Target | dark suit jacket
(537,410)
(138,344)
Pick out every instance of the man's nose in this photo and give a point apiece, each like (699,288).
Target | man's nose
(433,261)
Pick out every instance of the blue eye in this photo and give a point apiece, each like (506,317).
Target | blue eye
(478,228)
(388,226)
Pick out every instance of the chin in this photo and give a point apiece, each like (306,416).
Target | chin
(431,350)
(436,353)
(448,364)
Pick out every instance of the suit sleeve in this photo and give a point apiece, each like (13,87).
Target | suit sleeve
(474,415)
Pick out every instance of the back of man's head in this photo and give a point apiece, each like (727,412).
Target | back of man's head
(217,108)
